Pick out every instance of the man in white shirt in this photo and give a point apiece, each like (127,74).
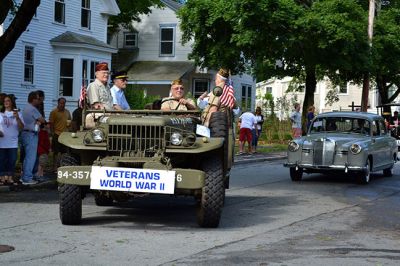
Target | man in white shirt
(248,122)
(120,80)
(295,117)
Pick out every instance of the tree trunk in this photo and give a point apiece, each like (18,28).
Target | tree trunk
(19,24)
(311,84)
(5,7)
(383,92)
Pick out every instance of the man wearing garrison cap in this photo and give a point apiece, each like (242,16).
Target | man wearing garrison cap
(98,92)
(120,80)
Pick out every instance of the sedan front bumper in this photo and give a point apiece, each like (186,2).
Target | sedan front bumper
(326,167)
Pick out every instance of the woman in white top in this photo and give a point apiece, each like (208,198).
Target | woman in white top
(11,123)
(258,128)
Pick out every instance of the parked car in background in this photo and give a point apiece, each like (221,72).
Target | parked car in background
(356,143)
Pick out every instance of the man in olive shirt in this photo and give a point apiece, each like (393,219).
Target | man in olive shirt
(59,122)
(98,92)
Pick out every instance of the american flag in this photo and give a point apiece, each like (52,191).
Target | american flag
(228,96)
(82,96)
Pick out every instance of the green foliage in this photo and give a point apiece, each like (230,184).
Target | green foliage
(137,98)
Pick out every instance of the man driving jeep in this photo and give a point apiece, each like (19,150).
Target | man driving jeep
(176,101)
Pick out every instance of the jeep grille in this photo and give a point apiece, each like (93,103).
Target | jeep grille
(139,139)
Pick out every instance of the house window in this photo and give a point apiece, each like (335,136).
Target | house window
(88,72)
(246,97)
(343,88)
(268,90)
(85,14)
(92,71)
(130,39)
(28,64)
(167,41)
(66,77)
(200,86)
(59,11)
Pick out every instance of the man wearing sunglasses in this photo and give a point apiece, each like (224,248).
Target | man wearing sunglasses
(120,79)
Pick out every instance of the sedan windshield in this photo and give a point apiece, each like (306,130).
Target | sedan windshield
(340,125)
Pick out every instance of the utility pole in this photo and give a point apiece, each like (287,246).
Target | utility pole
(365,90)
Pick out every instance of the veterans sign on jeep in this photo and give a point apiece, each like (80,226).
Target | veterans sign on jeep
(132,180)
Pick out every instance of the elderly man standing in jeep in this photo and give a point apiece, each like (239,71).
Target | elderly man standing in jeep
(98,92)
(223,102)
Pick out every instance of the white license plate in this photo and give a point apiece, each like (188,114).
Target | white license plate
(132,180)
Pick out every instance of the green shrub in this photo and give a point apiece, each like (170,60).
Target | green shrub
(136,97)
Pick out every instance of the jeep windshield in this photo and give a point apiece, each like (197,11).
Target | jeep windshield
(340,125)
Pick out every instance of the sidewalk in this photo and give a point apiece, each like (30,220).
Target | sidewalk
(239,159)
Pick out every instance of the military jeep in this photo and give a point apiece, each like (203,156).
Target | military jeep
(130,154)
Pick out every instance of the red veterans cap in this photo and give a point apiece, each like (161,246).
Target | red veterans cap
(103,66)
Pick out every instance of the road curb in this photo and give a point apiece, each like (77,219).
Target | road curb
(256,160)
(43,185)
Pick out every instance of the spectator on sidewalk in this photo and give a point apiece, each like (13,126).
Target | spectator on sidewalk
(295,118)
(310,115)
(247,123)
(43,151)
(120,80)
(29,137)
(256,132)
(11,123)
(60,119)
(76,121)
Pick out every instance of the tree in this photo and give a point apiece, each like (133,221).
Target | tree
(22,18)
(310,38)
(385,53)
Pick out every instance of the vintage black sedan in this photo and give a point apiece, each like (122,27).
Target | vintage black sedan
(357,143)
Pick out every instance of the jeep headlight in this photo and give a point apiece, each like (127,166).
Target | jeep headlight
(98,135)
(176,138)
(293,146)
(355,149)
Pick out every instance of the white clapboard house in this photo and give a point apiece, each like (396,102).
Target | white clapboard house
(153,56)
(58,51)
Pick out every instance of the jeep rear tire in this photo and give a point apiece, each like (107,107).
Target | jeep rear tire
(219,129)
(70,196)
(213,194)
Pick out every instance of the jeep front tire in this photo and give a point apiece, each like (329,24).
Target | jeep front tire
(212,195)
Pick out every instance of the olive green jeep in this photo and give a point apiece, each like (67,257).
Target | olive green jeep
(126,154)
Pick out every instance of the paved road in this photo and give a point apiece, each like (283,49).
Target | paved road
(267,219)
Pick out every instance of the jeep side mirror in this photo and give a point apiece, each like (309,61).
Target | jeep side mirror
(217,91)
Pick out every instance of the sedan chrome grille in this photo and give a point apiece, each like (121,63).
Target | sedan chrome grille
(324,151)
(135,138)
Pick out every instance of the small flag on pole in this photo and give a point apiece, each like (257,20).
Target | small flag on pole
(82,96)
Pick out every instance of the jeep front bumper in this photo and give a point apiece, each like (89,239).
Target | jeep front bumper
(191,179)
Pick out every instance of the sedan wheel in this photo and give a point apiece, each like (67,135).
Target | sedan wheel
(296,175)
(364,177)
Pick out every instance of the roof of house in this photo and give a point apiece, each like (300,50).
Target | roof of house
(172,4)
(73,39)
(110,7)
(160,71)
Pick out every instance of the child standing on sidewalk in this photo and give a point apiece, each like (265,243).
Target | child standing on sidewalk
(43,151)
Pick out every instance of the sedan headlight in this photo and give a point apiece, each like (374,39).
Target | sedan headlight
(355,149)
(293,146)
(176,138)
(98,135)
